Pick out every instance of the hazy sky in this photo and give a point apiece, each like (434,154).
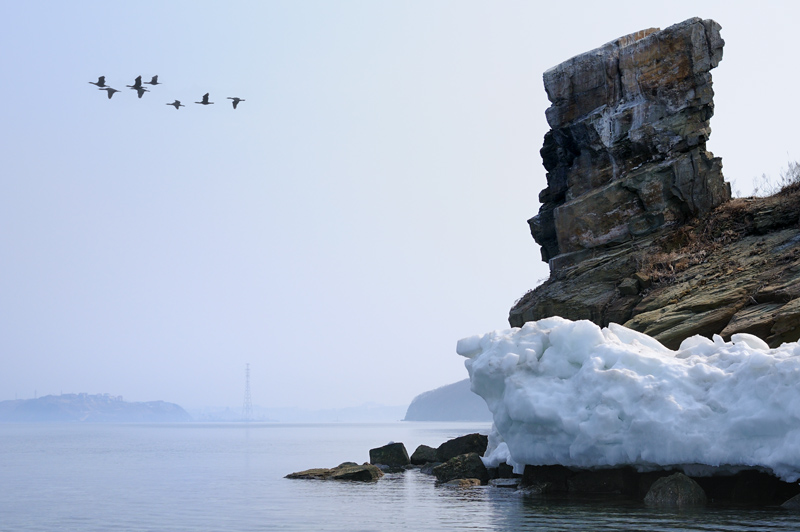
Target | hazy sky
(361,211)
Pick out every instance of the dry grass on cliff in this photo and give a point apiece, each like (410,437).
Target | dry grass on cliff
(788,181)
(738,218)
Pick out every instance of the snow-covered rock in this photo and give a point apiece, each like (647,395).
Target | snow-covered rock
(571,393)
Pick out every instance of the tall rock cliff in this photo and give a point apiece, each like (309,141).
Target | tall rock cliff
(627,150)
(636,221)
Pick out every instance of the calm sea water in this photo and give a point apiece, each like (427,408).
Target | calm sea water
(229,477)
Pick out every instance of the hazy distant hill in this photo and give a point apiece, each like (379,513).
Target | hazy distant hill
(83,407)
(454,402)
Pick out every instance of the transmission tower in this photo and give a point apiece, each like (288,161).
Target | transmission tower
(247,409)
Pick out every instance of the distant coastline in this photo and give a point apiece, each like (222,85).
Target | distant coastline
(87,408)
(454,402)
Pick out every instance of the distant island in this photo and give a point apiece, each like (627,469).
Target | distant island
(82,407)
(454,402)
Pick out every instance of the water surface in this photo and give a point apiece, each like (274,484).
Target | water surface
(229,477)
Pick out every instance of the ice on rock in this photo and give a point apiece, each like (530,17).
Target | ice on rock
(571,393)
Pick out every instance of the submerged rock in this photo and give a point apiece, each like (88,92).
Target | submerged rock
(792,504)
(545,479)
(428,468)
(508,483)
(464,482)
(344,471)
(675,490)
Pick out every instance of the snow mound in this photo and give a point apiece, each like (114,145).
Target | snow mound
(571,393)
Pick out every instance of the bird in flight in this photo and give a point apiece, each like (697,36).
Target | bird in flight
(236,101)
(205,100)
(101,82)
(140,91)
(137,84)
(109,90)
(176,104)
(153,81)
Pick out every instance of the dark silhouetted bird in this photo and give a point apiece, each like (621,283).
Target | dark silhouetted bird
(101,82)
(109,90)
(140,91)
(205,100)
(153,81)
(176,104)
(236,101)
(137,84)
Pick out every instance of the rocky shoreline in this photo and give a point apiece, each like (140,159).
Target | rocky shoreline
(458,463)
(639,229)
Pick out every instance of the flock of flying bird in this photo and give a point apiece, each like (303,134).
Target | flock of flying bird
(140,90)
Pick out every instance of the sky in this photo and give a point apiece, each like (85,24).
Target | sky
(360,212)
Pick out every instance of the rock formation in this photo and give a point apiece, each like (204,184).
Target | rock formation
(636,221)
(626,152)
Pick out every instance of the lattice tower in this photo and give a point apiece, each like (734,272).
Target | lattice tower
(247,409)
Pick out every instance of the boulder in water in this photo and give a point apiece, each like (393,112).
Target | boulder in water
(460,467)
(675,490)
(393,455)
(471,443)
(345,471)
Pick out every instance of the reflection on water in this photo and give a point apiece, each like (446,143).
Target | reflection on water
(204,477)
(513,511)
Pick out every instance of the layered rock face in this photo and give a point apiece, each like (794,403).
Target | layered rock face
(626,152)
(636,220)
